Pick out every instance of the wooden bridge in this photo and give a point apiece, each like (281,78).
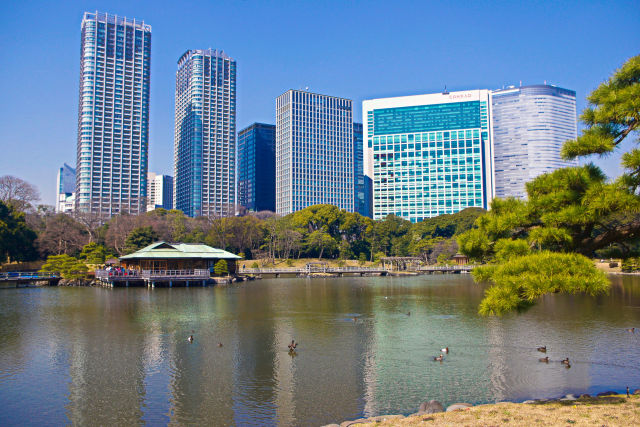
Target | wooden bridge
(26,278)
(362,271)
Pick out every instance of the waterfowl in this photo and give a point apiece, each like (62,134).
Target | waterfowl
(445,350)
(293,345)
(632,330)
(544,359)
(439,358)
(408,313)
(219,344)
(542,349)
(565,361)
(190,339)
(568,365)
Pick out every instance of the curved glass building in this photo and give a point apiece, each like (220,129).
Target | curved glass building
(530,124)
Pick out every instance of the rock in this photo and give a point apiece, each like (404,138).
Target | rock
(585,396)
(350,423)
(430,407)
(332,425)
(503,402)
(569,397)
(458,406)
(381,418)
(637,391)
(529,401)
(607,393)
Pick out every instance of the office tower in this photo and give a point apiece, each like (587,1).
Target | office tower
(113,117)
(160,191)
(257,167)
(314,151)
(429,155)
(361,191)
(205,134)
(65,189)
(530,124)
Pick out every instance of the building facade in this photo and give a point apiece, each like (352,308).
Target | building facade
(257,167)
(66,189)
(160,191)
(429,155)
(113,116)
(205,128)
(314,151)
(361,191)
(530,124)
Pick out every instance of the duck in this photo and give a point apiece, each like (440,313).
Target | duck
(219,344)
(632,330)
(293,345)
(544,359)
(190,339)
(565,361)
(408,313)
(439,358)
(567,365)
(542,349)
(445,350)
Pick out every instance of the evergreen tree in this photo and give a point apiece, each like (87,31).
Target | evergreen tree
(220,268)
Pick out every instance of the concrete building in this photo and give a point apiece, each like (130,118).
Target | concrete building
(530,125)
(113,115)
(205,134)
(361,191)
(257,167)
(160,190)
(314,151)
(65,189)
(429,155)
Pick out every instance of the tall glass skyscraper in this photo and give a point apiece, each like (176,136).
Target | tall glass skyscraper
(530,124)
(205,134)
(429,155)
(113,115)
(160,191)
(257,167)
(314,151)
(361,191)
(65,189)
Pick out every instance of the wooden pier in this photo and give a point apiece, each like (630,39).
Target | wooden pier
(154,278)
(355,271)
(21,279)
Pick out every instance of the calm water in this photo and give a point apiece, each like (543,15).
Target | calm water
(120,356)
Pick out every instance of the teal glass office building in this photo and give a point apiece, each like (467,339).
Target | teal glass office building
(429,155)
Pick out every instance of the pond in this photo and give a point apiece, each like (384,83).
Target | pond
(366,346)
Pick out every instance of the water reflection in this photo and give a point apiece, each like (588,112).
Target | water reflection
(120,356)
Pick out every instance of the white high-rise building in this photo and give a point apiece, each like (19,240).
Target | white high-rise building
(530,125)
(160,191)
(429,155)
(314,151)
(205,134)
(113,115)
(65,189)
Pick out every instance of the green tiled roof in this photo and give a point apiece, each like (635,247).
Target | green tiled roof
(163,250)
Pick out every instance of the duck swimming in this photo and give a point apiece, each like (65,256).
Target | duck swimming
(293,345)
(632,330)
(439,358)
(445,350)
(190,339)
(219,344)
(544,359)
(542,349)
(565,361)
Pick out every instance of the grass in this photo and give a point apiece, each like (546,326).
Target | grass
(611,411)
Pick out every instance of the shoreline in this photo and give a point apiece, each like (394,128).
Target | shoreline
(568,409)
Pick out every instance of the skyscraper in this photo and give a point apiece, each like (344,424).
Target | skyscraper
(361,192)
(530,124)
(429,155)
(113,115)
(257,167)
(65,189)
(205,134)
(160,191)
(314,151)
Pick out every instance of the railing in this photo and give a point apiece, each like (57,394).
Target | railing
(113,274)
(175,274)
(14,275)
(284,270)
(446,267)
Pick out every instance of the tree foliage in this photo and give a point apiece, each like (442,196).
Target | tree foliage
(66,266)
(17,193)
(17,240)
(139,238)
(220,268)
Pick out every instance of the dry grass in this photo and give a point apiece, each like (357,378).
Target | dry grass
(609,411)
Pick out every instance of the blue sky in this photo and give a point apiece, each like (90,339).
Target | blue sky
(354,49)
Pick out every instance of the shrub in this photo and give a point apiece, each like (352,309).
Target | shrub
(613,264)
(221,268)
(66,266)
(255,265)
(289,262)
(362,259)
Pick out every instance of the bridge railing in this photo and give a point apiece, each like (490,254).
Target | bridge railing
(12,275)
(112,274)
(446,267)
(175,274)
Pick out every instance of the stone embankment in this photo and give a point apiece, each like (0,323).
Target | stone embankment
(607,408)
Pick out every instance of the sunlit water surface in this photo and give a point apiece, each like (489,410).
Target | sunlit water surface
(121,356)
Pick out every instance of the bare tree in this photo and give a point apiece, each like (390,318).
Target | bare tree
(17,192)
(61,235)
